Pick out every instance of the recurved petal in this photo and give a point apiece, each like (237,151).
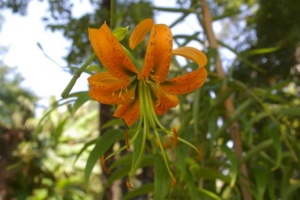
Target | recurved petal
(109,90)
(112,97)
(111,54)
(106,81)
(129,112)
(185,83)
(158,54)
(193,54)
(139,32)
(190,81)
(162,101)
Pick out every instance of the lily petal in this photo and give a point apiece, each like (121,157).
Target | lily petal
(107,89)
(112,97)
(130,112)
(193,54)
(106,81)
(162,101)
(185,83)
(190,81)
(139,32)
(158,54)
(111,54)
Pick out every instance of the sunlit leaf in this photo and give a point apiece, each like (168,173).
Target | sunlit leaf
(260,51)
(105,141)
(86,145)
(274,133)
(209,194)
(162,179)
(143,190)
(81,99)
(260,175)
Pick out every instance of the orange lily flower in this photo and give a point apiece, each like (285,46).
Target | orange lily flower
(143,93)
(122,84)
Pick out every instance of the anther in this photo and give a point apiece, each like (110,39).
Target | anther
(175,136)
(199,154)
(128,184)
(102,161)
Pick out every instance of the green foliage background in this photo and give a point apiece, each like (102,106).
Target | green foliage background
(49,157)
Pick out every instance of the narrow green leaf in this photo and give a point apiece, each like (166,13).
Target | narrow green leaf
(221,97)
(209,194)
(292,111)
(211,174)
(274,133)
(60,128)
(86,145)
(260,175)
(82,98)
(256,149)
(236,114)
(193,193)
(122,167)
(260,51)
(126,159)
(105,141)
(181,153)
(162,180)
(47,114)
(288,193)
(112,123)
(233,164)
(143,190)
(119,173)
(138,152)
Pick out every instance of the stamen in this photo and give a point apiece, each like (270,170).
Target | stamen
(120,95)
(173,183)
(200,154)
(102,161)
(128,184)
(157,103)
(175,137)
(191,145)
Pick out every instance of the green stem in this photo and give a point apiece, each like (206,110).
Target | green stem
(112,13)
(76,75)
(164,155)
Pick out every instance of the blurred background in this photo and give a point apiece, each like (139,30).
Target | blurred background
(246,118)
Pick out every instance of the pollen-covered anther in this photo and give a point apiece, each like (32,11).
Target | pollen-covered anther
(175,137)
(104,167)
(147,81)
(173,183)
(157,103)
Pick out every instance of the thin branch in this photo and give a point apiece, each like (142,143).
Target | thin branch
(228,104)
